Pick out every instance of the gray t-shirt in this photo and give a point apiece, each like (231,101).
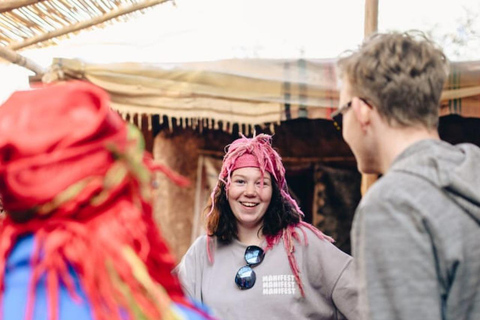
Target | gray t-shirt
(325,271)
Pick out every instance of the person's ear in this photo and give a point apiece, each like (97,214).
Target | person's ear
(363,112)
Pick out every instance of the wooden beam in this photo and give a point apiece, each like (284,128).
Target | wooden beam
(86,24)
(9,5)
(142,120)
(371,17)
(367,181)
(370,27)
(17,58)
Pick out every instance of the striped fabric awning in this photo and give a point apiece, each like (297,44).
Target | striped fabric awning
(462,91)
(246,92)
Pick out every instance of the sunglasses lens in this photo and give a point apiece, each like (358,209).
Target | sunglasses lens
(254,255)
(337,121)
(245,278)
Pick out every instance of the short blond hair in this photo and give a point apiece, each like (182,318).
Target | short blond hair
(401,75)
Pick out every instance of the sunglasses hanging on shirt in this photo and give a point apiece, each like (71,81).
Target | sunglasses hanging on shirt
(245,277)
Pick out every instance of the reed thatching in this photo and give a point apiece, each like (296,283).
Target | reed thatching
(41,23)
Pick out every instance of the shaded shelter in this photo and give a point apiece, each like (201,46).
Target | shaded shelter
(190,111)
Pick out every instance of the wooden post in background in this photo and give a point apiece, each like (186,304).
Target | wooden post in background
(371,17)
(371,26)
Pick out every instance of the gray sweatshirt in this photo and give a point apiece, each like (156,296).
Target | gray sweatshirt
(326,273)
(416,236)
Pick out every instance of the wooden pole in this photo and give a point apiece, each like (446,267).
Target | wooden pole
(371,26)
(8,5)
(86,24)
(17,58)
(371,17)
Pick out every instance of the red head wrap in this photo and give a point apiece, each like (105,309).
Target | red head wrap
(75,175)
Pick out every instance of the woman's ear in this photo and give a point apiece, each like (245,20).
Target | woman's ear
(363,112)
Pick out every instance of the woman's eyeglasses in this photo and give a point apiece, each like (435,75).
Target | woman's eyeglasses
(245,277)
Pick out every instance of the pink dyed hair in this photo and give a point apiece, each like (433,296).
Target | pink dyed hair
(260,146)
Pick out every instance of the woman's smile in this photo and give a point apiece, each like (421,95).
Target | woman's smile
(249,204)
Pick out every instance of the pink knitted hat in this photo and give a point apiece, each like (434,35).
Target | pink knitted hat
(254,152)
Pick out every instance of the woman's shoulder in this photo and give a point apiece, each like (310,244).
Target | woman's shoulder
(315,240)
(323,260)
(199,245)
(309,233)
(200,240)
(204,245)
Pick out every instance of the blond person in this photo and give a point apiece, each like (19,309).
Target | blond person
(416,231)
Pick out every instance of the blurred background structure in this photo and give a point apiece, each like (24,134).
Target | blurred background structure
(193,74)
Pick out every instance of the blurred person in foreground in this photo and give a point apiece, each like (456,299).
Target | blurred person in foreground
(78,240)
(259,260)
(416,232)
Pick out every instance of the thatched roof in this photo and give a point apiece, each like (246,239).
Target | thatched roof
(40,23)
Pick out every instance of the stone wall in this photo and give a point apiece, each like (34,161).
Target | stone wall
(173,206)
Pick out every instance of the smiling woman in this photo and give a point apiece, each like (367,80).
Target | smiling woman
(268,261)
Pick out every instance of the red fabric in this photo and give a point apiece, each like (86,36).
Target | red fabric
(54,137)
(45,135)
(247,160)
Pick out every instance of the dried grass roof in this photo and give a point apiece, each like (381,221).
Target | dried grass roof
(40,23)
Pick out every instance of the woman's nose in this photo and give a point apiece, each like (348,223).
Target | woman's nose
(250,190)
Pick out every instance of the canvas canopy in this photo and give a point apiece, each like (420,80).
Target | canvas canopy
(248,92)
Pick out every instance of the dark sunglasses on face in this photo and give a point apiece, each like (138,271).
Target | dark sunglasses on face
(337,116)
(245,277)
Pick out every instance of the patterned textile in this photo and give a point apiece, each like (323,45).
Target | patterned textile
(461,95)
(335,199)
